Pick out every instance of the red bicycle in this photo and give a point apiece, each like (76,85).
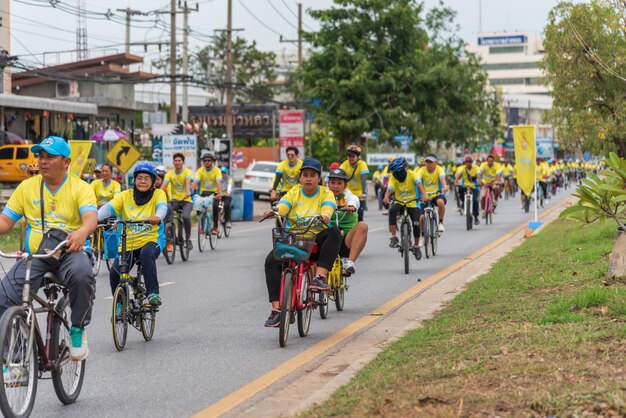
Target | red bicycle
(488,204)
(297,300)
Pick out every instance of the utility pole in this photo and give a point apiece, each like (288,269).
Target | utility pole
(229,79)
(173,109)
(300,35)
(186,10)
(129,12)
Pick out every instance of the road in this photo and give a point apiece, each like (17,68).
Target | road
(209,338)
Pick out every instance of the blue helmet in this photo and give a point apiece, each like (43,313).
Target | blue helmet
(380,167)
(145,168)
(397,165)
(224,169)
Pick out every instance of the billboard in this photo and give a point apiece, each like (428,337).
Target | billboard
(544,147)
(184,144)
(501,40)
(383,158)
(291,131)
(249,121)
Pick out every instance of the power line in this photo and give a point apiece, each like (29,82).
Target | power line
(281,15)
(259,20)
(294,14)
(16,39)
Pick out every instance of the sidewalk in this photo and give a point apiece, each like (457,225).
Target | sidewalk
(314,381)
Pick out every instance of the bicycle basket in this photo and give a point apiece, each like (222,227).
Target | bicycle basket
(111,243)
(201,203)
(290,247)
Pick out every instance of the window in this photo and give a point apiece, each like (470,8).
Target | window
(506,81)
(6,153)
(506,50)
(266,168)
(510,66)
(22,153)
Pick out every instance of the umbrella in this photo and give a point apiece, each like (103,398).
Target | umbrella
(108,135)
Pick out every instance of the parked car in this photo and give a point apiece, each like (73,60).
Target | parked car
(259,177)
(14,161)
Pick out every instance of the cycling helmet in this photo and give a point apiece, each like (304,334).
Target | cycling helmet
(338,173)
(397,165)
(224,169)
(468,159)
(354,149)
(333,166)
(208,155)
(380,167)
(145,168)
(313,164)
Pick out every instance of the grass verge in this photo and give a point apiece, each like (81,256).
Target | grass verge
(542,334)
(11,240)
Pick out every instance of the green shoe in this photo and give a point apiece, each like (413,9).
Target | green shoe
(154,299)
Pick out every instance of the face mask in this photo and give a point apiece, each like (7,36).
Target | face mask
(400,176)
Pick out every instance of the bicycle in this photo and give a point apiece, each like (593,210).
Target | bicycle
(204,204)
(130,295)
(27,355)
(296,296)
(406,236)
(468,203)
(174,236)
(488,204)
(508,191)
(431,223)
(224,225)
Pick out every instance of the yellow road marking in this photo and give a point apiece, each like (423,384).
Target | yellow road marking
(238,397)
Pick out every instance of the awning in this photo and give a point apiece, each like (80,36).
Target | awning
(41,103)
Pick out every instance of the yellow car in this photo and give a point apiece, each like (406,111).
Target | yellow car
(14,161)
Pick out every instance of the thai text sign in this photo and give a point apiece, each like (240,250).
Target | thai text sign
(291,131)
(184,144)
(249,121)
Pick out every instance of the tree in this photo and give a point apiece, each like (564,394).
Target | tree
(585,47)
(381,64)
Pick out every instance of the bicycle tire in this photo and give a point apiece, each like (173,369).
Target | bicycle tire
(468,214)
(148,321)
(68,378)
(201,233)
(434,237)
(97,253)
(220,224)
(286,308)
(109,264)
(120,325)
(182,243)
(427,235)
(212,237)
(170,234)
(340,293)
(323,304)
(405,245)
(14,319)
(228,225)
(526,203)
(305,314)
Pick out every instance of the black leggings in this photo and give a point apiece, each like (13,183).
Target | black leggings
(414,213)
(174,205)
(147,255)
(328,245)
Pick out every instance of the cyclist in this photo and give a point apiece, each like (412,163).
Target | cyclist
(542,174)
(357,172)
(227,189)
(333,166)
(433,179)
(97,172)
(145,243)
(287,174)
(208,181)
(385,182)
(180,198)
(468,176)
(377,179)
(507,173)
(354,232)
(105,187)
(490,177)
(160,170)
(406,186)
(69,205)
(304,201)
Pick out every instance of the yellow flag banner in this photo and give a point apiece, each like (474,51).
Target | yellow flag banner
(524,140)
(79,153)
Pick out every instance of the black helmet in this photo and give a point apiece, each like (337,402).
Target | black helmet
(338,173)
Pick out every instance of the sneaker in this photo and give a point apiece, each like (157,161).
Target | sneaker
(274,319)
(189,245)
(393,242)
(319,283)
(154,299)
(417,252)
(476,221)
(347,266)
(215,231)
(79,349)
(15,376)
(440,227)
(420,243)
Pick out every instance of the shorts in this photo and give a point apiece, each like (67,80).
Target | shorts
(344,251)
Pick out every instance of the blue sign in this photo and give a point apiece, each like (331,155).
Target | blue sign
(403,138)
(502,40)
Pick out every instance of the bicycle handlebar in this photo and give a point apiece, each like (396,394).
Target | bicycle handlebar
(24,254)
(275,214)
(110,222)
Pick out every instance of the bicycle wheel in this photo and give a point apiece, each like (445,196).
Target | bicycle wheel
(96,250)
(427,235)
(17,396)
(220,225)
(405,245)
(67,374)
(228,225)
(286,308)
(182,243)
(201,233)
(212,236)
(170,243)
(119,318)
(306,297)
(323,304)
(340,293)
(468,214)
(434,235)
(148,320)
(526,203)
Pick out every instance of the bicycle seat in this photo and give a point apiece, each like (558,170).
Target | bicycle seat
(50,278)
(315,249)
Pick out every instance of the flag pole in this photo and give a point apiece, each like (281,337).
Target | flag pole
(536,183)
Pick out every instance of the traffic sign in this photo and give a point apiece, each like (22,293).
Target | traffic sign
(123,155)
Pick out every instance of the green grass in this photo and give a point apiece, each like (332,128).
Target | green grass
(543,333)
(11,240)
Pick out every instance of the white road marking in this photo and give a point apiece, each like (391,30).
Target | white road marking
(160,285)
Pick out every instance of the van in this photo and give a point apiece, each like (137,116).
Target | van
(14,161)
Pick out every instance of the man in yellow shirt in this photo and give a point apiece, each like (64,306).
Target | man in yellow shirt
(180,179)
(208,181)
(357,172)
(467,178)
(69,205)
(491,176)
(377,179)
(433,179)
(287,174)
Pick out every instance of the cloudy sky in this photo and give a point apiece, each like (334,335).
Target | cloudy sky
(37,27)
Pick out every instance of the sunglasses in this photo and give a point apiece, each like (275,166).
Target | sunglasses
(291,155)
(33,173)
(350,154)
(208,161)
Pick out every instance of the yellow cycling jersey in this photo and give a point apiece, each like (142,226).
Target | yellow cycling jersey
(432,181)
(354,176)
(541,172)
(225,186)
(489,174)
(178,182)
(208,179)
(63,209)
(507,170)
(125,207)
(469,178)
(290,174)
(378,176)
(406,190)
(104,194)
(301,207)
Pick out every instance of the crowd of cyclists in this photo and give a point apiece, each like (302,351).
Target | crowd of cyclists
(55,203)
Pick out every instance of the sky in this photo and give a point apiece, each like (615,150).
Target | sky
(37,27)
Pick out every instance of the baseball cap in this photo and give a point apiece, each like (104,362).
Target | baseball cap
(53,145)
(313,164)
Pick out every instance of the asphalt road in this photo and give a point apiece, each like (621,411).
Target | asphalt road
(209,338)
